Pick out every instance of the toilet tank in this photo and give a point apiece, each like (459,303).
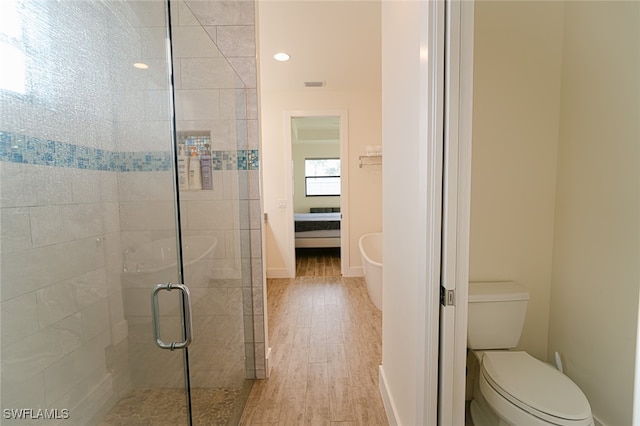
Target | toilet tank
(496,314)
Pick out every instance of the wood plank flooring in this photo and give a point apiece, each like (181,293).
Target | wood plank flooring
(312,262)
(325,336)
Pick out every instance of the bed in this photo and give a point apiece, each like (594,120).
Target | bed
(319,228)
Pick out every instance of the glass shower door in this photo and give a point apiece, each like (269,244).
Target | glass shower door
(221,249)
(89,218)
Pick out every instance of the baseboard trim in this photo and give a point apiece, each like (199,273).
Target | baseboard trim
(389,406)
(353,272)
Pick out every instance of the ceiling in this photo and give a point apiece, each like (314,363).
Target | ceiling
(334,42)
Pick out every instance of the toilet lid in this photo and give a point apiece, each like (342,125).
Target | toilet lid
(535,386)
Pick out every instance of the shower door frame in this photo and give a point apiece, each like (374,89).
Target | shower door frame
(186,328)
(176,131)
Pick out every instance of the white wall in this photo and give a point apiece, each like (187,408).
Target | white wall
(517,63)
(595,281)
(404,84)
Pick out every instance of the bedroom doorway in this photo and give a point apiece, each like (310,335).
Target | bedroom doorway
(318,193)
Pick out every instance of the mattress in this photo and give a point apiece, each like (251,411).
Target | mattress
(316,221)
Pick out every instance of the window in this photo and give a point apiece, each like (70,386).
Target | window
(322,177)
(12,55)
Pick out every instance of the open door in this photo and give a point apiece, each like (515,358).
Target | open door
(458,82)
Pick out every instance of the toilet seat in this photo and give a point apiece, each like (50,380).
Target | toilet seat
(533,387)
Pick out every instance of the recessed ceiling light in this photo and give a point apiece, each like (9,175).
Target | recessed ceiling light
(281,56)
(141,66)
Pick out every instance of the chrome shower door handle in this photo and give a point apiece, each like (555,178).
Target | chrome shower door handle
(186,312)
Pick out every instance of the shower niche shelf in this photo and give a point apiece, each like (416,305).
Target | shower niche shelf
(194,161)
(198,141)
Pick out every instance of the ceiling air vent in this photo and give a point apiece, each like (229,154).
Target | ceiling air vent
(313,83)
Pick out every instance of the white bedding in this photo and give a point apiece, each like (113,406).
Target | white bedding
(315,217)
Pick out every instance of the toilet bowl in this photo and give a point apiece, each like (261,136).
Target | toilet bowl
(512,387)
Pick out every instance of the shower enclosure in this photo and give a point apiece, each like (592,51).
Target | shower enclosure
(127,295)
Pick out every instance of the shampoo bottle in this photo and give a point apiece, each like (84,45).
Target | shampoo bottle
(183,169)
(195,173)
(205,169)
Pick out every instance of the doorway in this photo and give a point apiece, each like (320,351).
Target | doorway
(94,227)
(319,176)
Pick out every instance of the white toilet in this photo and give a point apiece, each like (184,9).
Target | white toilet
(512,387)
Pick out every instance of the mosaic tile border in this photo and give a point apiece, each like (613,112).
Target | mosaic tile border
(24,149)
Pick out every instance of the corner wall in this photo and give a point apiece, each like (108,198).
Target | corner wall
(518,55)
(405,27)
(595,281)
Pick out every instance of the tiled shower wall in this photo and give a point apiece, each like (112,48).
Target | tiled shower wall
(219,36)
(69,210)
(62,310)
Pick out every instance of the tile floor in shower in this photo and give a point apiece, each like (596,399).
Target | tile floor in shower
(151,407)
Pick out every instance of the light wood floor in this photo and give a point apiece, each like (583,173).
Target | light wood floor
(325,336)
(318,262)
